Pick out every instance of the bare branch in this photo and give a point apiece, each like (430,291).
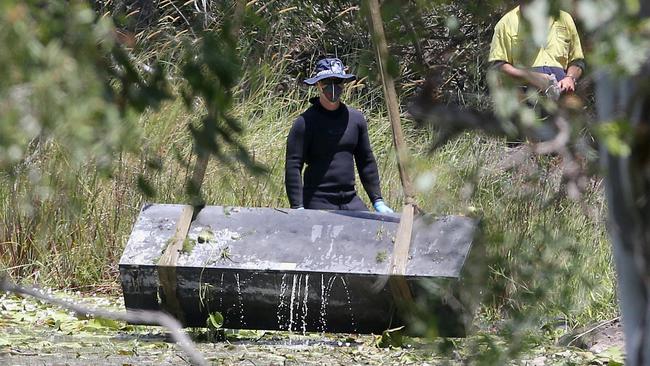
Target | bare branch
(559,142)
(130,316)
(428,108)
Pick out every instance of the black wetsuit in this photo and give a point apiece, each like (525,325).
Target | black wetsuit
(328,142)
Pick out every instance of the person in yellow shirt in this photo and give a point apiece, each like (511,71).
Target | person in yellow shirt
(552,68)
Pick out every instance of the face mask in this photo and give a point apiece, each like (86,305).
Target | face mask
(333,92)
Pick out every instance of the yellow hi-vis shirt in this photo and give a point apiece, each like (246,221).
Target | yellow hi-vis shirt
(510,45)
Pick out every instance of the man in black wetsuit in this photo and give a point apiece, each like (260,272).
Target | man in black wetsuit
(329,137)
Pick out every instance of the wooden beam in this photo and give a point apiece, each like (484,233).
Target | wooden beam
(390,94)
(398,284)
(167,265)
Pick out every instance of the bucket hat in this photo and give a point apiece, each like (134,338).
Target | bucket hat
(329,68)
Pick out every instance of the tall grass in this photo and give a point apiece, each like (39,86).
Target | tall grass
(546,254)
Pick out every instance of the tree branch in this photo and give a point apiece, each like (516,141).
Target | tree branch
(428,108)
(130,316)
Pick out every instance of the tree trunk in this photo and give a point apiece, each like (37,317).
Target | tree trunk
(628,197)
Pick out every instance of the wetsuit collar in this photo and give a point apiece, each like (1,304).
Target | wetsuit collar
(316,102)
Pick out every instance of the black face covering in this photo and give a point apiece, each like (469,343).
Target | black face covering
(333,92)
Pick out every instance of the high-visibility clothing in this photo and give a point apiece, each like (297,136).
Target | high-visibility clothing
(511,44)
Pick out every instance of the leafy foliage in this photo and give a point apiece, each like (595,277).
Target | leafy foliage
(81,99)
(72,94)
(67,82)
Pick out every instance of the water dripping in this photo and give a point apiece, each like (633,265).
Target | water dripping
(330,284)
(347,294)
(326,290)
(304,305)
(293,297)
(240,300)
(282,305)
(323,304)
(221,292)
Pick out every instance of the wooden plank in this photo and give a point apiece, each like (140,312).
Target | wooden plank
(402,241)
(399,287)
(167,264)
(392,102)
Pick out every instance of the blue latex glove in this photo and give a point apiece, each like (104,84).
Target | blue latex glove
(381,207)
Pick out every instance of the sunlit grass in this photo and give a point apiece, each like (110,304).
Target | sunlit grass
(548,255)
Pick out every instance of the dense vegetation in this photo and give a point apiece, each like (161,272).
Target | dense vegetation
(88,133)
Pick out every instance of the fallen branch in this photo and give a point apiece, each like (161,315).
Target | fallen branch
(130,316)
(571,338)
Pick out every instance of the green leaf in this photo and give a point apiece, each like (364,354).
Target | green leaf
(102,325)
(392,66)
(145,187)
(188,245)
(615,136)
(391,338)
(537,14)
(215,320)
(109,323)
(614,356)
(205,235)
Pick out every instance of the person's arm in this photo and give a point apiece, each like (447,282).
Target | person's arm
(366,164)
(294,162)
(536,79)
(576,57)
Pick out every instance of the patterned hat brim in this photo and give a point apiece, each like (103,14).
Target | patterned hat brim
(317,78)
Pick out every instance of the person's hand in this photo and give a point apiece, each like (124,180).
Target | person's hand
(541,81)
(567,85)
(381,207)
